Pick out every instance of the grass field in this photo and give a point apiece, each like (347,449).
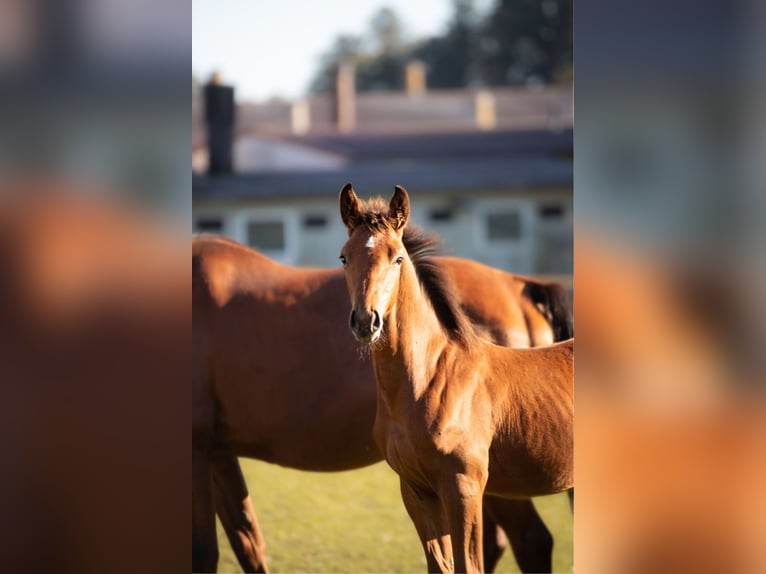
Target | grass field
(355,522)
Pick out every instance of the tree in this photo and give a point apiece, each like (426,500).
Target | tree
(387,32)
(378,68)
(344,49)
(518,42)
(451,59)
(525,41)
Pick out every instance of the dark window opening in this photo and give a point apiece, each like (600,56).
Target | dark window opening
(209,225)
(315,221)
(551,211)
(441,214)
(269,235)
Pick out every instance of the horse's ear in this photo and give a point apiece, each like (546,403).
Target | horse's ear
(399,208)
(349,206)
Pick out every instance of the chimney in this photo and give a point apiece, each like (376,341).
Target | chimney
(300,117)
(345,98)
(484,110)
(415,78)
(219,117)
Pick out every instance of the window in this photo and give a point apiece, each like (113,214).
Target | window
(551,211)
(314,221)
(266,235)
(503,226)
(209,225)
(441,214)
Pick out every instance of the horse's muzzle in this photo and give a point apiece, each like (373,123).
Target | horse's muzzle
(366,325)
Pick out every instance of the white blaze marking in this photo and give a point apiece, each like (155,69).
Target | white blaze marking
(370,242)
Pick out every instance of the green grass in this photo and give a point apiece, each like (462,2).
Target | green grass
(355,522)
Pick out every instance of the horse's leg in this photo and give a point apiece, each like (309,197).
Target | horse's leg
(204,543)
(235,509)
(462,503)
(426,513)
(494,540)
(530,539)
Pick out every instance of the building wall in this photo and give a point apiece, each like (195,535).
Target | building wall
(522,232)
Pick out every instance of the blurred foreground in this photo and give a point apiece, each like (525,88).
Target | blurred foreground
(94,308)
(95,315)
(669,283)
(671,423)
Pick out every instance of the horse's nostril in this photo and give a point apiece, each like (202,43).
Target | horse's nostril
(375,320)
(352,319)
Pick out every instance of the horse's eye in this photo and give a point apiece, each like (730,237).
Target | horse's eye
(342,259)
(399,260)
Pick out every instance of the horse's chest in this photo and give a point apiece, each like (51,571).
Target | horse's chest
(413,452)
(396,447)
(400,451)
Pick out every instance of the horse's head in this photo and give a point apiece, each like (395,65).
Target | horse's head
(372,258)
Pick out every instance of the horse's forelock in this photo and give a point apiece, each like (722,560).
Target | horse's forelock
(373,215)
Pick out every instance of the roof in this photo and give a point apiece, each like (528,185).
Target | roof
(456,163)
(446,177)
(361,147)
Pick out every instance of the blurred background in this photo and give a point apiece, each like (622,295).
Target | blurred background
(468,104)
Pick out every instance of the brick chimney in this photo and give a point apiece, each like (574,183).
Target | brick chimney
(345,98)
(415,78)
(219,117)
(484,110)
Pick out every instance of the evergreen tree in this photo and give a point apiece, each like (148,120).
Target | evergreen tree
(526,41)
(518,42)
(344,49)
(451,59)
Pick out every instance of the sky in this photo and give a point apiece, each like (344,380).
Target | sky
(268,48)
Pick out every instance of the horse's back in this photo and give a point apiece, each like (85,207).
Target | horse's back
(490,301)
(221,267)
(511,310)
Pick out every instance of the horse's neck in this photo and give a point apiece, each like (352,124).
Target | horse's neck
(414,339)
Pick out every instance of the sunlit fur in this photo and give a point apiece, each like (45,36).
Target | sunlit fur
(456,415)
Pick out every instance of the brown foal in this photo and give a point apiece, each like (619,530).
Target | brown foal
(456,416)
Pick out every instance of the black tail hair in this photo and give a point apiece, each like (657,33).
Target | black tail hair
(556,306)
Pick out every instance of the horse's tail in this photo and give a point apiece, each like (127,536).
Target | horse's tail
(554,302)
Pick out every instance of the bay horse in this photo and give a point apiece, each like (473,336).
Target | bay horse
(457,416)
(276,377)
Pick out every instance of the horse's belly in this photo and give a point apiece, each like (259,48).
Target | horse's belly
(329,458)
(522,476)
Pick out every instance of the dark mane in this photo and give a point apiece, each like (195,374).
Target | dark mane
(438,285)
(422,248)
